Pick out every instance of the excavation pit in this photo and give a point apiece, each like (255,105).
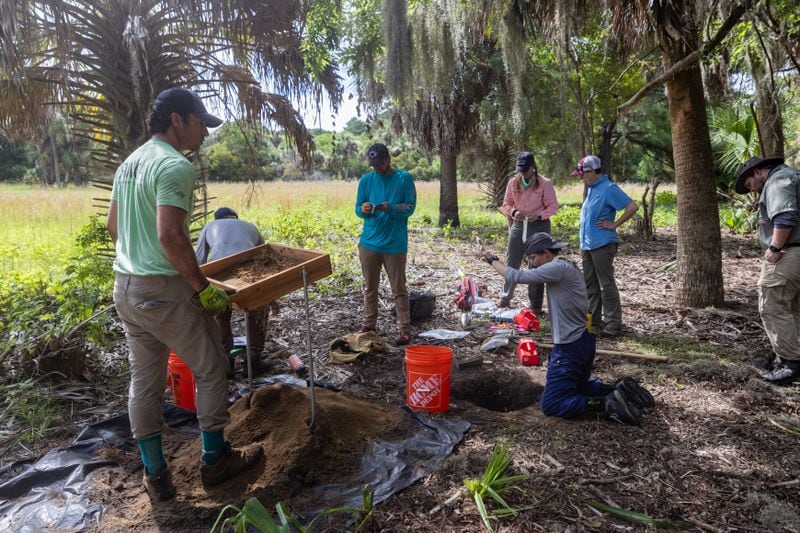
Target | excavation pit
(496,390)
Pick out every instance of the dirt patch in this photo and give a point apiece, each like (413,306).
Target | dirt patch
(262,265)
(497,390)
(295,459)
(718,450)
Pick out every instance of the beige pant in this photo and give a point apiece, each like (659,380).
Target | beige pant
(779,303)
(395,265)
(159,313)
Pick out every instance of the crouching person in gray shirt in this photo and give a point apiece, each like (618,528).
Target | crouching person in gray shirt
(570,390)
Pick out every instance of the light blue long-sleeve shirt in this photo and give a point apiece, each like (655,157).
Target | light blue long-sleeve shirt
(386,231)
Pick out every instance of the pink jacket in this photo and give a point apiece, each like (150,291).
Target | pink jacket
(529,202)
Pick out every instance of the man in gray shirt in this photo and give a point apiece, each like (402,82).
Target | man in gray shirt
(779,282)
(570,390)
(227,235)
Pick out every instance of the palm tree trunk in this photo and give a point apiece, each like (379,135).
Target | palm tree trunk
(770,122)
(606,133)
(699,275)
(54,150)
(448,190)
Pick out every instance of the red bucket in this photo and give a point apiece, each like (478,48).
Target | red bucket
(428,378)
(527,352)
(527,319)
(181,380)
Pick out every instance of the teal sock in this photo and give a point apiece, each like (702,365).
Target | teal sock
(213,446)
(152,454)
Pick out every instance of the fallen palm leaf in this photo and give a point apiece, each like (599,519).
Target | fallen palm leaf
(638,518)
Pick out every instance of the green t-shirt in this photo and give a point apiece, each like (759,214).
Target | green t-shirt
(155,174)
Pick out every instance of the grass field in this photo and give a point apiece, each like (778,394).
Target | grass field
(41,224)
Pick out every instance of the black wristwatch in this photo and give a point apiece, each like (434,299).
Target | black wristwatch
(774,249)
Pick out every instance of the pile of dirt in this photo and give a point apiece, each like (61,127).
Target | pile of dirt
(296,457)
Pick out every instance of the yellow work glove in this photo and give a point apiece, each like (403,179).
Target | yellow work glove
(213,300)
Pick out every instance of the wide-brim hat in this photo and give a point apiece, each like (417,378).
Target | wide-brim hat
(749,166)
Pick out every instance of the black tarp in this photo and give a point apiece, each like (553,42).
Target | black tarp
(51,493)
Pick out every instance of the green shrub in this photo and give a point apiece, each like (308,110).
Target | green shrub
(666,197)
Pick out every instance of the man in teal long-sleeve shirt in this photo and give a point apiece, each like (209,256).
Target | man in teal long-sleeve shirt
(386,198)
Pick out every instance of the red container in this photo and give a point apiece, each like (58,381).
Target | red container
(181,380)
(527,352)
(428,378)
(527,319)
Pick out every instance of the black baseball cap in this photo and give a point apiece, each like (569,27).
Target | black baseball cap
(184,101)
(525,162)
(377,154)
(225,212)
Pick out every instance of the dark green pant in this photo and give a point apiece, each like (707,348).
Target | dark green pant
(601,288)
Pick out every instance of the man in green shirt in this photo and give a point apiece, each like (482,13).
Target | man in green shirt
(163,298)
(779,283)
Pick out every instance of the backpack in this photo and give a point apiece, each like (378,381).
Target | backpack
(468,291)
(421,305)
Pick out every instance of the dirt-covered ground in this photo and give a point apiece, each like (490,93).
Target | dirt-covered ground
(719,451)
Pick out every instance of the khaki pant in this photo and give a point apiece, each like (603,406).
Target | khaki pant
(159,313)
(395,266)
(601,288)
(779,303)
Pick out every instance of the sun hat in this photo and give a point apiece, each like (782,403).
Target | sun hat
(749,166)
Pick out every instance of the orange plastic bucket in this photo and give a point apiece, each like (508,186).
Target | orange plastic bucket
(181,381)
(428,378)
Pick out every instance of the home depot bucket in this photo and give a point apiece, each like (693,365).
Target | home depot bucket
(181,381)
(428,378)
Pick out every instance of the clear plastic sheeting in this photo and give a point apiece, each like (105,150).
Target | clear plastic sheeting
(443,334)
(496,341)
(52,493)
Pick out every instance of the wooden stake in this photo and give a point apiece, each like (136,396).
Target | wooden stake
(660,358)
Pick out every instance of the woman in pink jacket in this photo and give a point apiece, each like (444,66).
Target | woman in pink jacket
(529,202)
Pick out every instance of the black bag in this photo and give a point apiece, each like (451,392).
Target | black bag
(421,304)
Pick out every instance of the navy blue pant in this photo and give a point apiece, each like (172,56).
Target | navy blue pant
(569,379)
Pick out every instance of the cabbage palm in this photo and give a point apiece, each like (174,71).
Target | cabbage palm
(103,62)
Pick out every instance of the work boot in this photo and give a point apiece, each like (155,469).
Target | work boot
(784,374)
(232,462)
(159,486)
(259,366)
(635,393)
(620,410)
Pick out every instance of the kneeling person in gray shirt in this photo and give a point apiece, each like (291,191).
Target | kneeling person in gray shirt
(570,390)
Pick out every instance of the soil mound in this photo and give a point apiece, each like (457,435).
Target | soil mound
(295,456)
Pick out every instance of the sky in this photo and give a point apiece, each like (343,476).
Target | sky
(325,121)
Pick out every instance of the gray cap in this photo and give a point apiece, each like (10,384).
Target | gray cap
(539,242)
